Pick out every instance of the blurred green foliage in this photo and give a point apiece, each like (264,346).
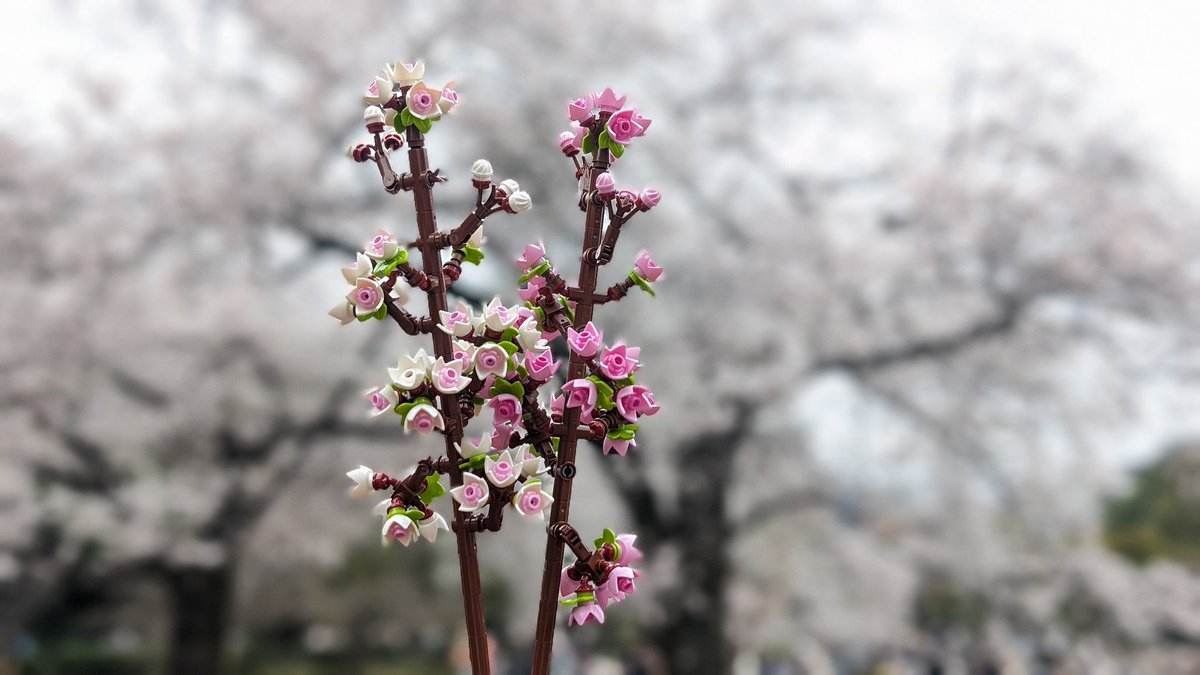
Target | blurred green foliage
(1160,517)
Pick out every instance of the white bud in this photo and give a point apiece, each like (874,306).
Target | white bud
(372,114)
(477,239)
(481,170)
(519,201)
(508,186)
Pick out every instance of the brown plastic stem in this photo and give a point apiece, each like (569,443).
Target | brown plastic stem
(431,259)
(543,643)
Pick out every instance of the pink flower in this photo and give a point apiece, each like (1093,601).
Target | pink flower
(378,92)
(580,109)
(627,197)
(617,588)
(605,185)
(423,418)
(646,267)
(627,553)
(501,471)
(642,122)
(608,101)
(566,143)
(531,501)
(619,447)
(449,99)
(622,129)
(422,102)
(506,409)
(540,365)
(556,405)
(500,437)
(579,132)
(448,377)
(584,612)
(532,256)
(473,494)
(531,290)
(490,359)
(619,361)
(382,246)
(635,400)
(382,399)
(566,585)
(580,393)
(399,528)
(367,296)
(585,342)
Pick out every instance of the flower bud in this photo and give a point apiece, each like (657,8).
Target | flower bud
(373,115)
(649,199)
(359,153)
(481,171)
(393,141)
(519,201)
(566,143)
(508,187)
(605,185)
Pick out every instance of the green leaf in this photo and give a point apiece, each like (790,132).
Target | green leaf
(402,409)
(577,598)
(604,393)
(621,384)
(625,433)
(471,254)
(423,125)
(606,141)
(385,267)
(589,143)
(541,267)
(433,489)
(404,119)
(502,386)
(617,149)
(608,537)
(641,283)
(509,335)
(509,347)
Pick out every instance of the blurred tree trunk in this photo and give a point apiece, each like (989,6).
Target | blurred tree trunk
(199,599)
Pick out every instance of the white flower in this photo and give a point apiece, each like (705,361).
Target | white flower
(490,359)
(465,352)
(448,378)
(382,246)
(531,464)
(481,170)
(501,471)
(498,317)
(508,186)
(405,74)
(343,311)
(423,418)
(362,477)
(468,449)
(519,201)
(458,323)
(399,528)
(477,239)
(472,495)
(411,371)
(382,399)
(379,91)
(529,336)
(361,268)
(430,526)
(531,501)
(366,296)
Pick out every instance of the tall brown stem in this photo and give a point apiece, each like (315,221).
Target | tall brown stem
(564,469)
(431,259)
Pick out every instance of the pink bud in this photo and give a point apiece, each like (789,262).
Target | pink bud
(605,185)
(649,199)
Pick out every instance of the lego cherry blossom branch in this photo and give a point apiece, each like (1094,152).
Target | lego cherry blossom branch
(498,358)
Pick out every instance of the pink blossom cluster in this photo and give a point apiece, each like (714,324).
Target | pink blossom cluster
(589,599)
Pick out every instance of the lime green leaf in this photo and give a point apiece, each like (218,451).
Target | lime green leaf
(502,386)
(402,409)
(541,267)
(508,347)
(509,335)
(604,393)
(404,119)
(433,489)
(625,433)
(642,283)
(589,143)
(617,149)
(471,254)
